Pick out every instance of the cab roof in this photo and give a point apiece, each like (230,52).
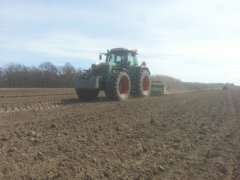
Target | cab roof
(123,50)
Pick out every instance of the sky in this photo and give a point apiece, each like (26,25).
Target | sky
(192,40)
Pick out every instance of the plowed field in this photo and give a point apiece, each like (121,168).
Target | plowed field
(50,134)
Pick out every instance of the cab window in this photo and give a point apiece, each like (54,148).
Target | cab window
(114,58)
(132,59)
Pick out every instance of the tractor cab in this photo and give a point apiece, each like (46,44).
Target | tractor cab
(120,56)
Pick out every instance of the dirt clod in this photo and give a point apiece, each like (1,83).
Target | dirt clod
(53,125)
(152,120)
(39,156)
(4,139)
(11,150)
(161,168)
(106,174)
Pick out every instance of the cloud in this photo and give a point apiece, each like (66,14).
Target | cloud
(178,38)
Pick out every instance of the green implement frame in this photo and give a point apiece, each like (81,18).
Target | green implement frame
(158,88)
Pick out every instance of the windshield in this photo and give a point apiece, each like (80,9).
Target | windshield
(118,57)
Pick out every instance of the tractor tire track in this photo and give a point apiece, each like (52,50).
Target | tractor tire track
(30,107)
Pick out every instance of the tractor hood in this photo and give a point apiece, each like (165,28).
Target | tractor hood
(100,69)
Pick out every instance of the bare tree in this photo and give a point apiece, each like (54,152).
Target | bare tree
(69,73)
(2,77)
(45,75)
(49,74)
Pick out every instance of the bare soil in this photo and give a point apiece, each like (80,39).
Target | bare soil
(50,134)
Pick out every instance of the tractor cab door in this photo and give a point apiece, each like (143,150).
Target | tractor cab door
(132,59)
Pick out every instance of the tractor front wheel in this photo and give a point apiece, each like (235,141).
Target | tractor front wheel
(118,86)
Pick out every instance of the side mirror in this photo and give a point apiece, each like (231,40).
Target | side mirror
(100,57)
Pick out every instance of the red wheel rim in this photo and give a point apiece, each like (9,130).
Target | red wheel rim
(123,86)
(145,83)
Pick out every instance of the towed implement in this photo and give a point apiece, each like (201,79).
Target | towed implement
(158,88)
(119,77)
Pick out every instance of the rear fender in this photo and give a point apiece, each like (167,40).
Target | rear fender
(145,69)
(139,70)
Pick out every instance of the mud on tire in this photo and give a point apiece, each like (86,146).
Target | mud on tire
(118,86)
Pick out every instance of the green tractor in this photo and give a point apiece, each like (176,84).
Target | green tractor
(119,77)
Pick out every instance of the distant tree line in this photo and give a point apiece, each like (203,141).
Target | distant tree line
(173,83)
(46,75)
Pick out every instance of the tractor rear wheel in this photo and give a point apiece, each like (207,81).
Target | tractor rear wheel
(142,84)
(87,95)
(118,86)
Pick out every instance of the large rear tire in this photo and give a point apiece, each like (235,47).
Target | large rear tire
(142,84)
(118,86)
(87,95)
